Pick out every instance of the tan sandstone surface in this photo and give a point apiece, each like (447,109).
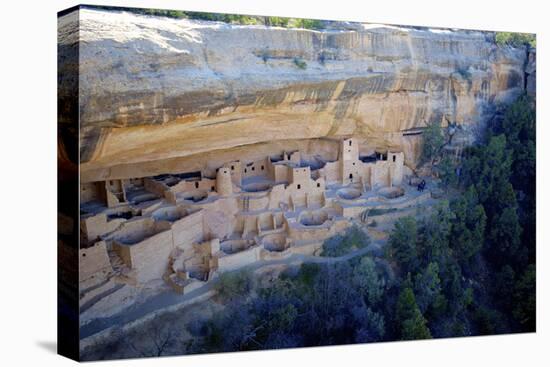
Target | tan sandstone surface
(161,95)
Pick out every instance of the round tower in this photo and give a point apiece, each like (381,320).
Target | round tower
(224,186)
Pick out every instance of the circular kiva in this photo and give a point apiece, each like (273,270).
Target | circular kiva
(348,193)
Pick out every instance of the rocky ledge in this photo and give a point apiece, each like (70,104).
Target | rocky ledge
(155,90)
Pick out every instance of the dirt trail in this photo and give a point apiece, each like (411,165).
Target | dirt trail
(166,299)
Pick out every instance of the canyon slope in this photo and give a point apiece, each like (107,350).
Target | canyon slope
(162,95)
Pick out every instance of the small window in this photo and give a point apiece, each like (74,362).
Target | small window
(262,168)
(196,185)
(394,158)
(232,168)
(351,176)
(349,150)
(253,168)
(83,255)
(350,143)
(245,170)
(299,186)
(213,188)
(318,184)
(353,163)
(224,171)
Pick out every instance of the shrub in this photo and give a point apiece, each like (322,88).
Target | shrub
(515,39)
(432,142)
(231,285)
(375,212)
(276,21)
(354,238)
(306,23)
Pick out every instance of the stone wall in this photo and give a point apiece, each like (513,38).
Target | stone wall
(95,226)
(239,259)
(188,230)
(149,257)
(94,261)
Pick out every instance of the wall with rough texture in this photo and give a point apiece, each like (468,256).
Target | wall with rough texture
(189,229)
(153,90)
(149,257)
(94,261)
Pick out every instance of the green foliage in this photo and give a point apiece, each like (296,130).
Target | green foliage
(489,168)
(375,212)
(226,18)
(232,285)
(165,13)
(368,281)
(221,17)
(306,23)
(468,226)
(502,287)
(354,238)
(488,321)
(433,140)
(525,299)
(505,235)
(372,326)
(515,39)
(433,243)
(301,64)
(277,21)
(446,170)
(427,286)
(519,127)
(413,324)
(415,328)
(402,244)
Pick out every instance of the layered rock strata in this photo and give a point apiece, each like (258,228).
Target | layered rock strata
(157,93)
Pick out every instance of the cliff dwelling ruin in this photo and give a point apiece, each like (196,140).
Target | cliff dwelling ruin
(186,228)
(200,148)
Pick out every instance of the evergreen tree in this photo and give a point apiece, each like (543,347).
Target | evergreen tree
(427,287)
(468,226)
(433,140)
(505,238)
(433,244)
(525,300)
(490,169)
(368,281)
(446,170)
(402,244)
(412,323)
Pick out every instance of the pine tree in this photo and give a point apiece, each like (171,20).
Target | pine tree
(412,323)
(403,244)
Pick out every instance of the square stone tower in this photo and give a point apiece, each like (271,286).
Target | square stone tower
(349,161)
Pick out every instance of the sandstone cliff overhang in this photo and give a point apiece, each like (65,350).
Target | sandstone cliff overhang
(153,89)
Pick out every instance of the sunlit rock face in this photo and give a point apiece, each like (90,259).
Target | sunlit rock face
(157,93)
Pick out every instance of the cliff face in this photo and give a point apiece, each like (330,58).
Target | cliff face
(154,92)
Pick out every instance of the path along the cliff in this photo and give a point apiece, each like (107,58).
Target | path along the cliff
(170,299)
